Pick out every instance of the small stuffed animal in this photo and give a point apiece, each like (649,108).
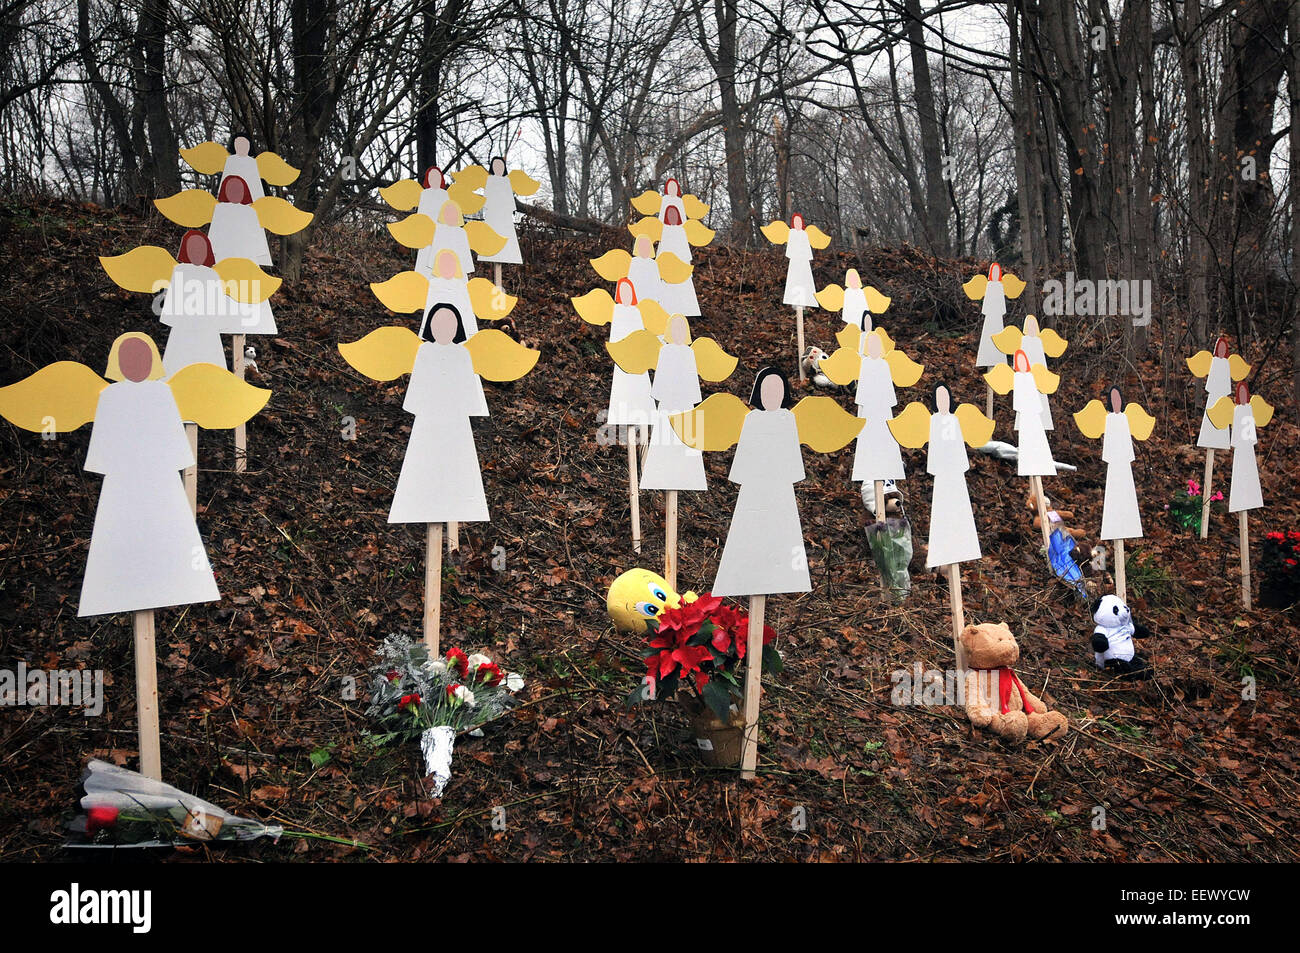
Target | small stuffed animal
(811,364)
(250,361)
(995,697)
(1056,518)
(1112,639)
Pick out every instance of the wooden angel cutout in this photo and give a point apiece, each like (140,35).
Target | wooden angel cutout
(211,158)
(799,241)
(499,190)
(855,302)
(1220,370)
(677,286)
(448,230)
(202,298)
(1117,427)
(237,224)
(475,300)
(1027,383)
(657,204)
(648,273)
(428,195)
(1038,344)
(441,480)
(993,291)
(1243,415)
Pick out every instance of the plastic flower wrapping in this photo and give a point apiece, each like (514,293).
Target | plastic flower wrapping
(414,695)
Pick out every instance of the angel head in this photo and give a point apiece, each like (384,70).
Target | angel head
(678,330)
(1021,362)
(1115,399)
(625,293)
(942,398)
(673,188)
(851,279)
(134,357)
(643,247)
(995,272)
(196,249)
(240,145)
(796,221)
(771,391)
(1221,346)
(443,325)
(497,165)
(1241,393)
(234,190)
(449,214)
(672,216)
(433,178)
(446,264)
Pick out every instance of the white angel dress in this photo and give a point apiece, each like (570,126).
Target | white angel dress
(799,287)
(855,306)
(644,275)
(667,201)
(630,402)
(499,212)
(431,202)
(994,309)
(1120,518)
(764,552)
(877,455)
(1034,455)
(673,238)
(1218,383)
(676,298)
(246,168)
(669,463)
(235,232)
(953,538)
(197,309)
(145,548)
(446,236)
(1032,345)
(1245,493)
(441,481)
(455,292)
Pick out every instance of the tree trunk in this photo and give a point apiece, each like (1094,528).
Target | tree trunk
(936,195)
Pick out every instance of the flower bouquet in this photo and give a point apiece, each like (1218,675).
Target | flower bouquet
(1187,504)
(1279,567)
(414,695)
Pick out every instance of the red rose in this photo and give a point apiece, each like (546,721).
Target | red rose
(458,660)
(100,818)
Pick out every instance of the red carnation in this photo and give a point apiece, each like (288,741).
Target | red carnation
(413,700)
(459,660)
(100,818)
(1277,536)
(490,674)
(393,675)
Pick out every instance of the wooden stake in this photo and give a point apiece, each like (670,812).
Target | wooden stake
(753,685)
(988,404)
(146,695)
(496,274)
(670,538)
(241,431)
(1037,483)
(633,489)
(1121,584)
(1243,532)
(880,501)
(958,614)
(798,318)
(433,587)
(1205,493)
(453,536)
(191,474)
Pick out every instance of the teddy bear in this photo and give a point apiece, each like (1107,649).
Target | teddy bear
(995,697)
(1056,518)
(1112,639)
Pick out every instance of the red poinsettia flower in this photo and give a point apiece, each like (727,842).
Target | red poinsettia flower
(1277,536)
(100,818)
(490,674)
(458,660)
(1292,562)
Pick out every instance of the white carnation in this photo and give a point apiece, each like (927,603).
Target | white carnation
(476,660)
(465,695)
(514,681)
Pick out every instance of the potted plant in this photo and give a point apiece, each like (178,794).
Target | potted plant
(1187,504)
(699,648)
(1279,568)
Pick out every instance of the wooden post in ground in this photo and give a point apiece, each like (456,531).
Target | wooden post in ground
(753,686)
(1205,493)
(191,473)
(146,694)
(1036,482)
(988,403)
(241,430)
(433,587)
(1121,583)
(1243,536)
(880,501)
(453,536)
(798,318)
(670,538)
(958,615)
(496,274)
(633,489)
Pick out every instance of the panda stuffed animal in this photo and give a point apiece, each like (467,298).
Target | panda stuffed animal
(1112,639)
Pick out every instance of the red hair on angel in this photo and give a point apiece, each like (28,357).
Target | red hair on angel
(234,190)
(995,272)
(796,221)
(427,179)
(196,249)
(672,216)
(1022,362)
(673,187)
(1221,346)
(625,293)
(1242,393)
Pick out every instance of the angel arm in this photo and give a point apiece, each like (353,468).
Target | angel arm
(1001,378)
(612,265)
(903,369)
(975,288)
(1238,367)
(1140,423)
(499,357)
(214,398)
(522,183)
(58,398)
(414,231)
(817,238)
(697,233)
(207,158)
(694,207)
(595,307)
(1199,363)
(274,170)
(824,425)
(1008,339)
(384,354)
(777,232)
(714,425)
(672,269)
(842,367)
(192,208)
(831,298)
(403,293)
(877,303)
(650,227)
(147,268)
(490,302)
(483,239)
(647,203)
(1053,344)
(402,195)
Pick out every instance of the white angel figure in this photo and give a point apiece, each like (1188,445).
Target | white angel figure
(1038,344)
(643,270)
(1220,371)
(235,231)
(1244,417)
(677,297)
(856,302)
(799,240)
(952,537)
(447,285)
(665,277)
(1118,427)
(1027,383)
(630,401)
(211,158)
(994,290)
(656,204)
(499,190)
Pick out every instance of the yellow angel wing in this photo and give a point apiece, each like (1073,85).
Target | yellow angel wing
(777,232)
(694,207)
(713,363)
(595,307)
(1140,423)
(207,158)
(472,177)
(1045,380)
(877,303)
(1199,363)
(245,281)
(976,287)
(886,342)
(903,369)
(636,353)
(1001,378)
(1262,410)
(523,183)
(844,366)
(824,425)
(402,195)
(191,208)
(414,231)
(1008,339)
(1053,344)
(278,216)
(1011,285)
(147,268)
(499,357)
(650,227)
(1238,367)
(489,302)
(647,203)
(1221,412)
(816,237)
(672,269)
(214,398)
(714,425)
(56,399)
(848,336)
(403,293)
(1091,421)
(612,265)
(384,354)
(274,170)
(697,233)
(654,317)
(911,428)
(483,239)
(976,429)
(831,298)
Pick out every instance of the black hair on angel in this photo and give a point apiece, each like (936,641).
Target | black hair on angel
(943,385)
(756,394)
(426,333)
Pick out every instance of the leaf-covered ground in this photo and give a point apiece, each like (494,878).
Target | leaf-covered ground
(253,708)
